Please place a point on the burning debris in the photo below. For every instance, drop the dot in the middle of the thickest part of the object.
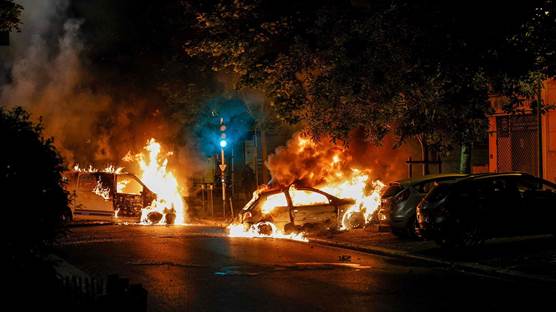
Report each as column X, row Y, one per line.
column 107, row 169
column 262, row 230
column 102, row 191
column 323, row 169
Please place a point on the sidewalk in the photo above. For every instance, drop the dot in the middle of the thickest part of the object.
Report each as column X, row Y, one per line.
column 526, row 258
column 94, row 220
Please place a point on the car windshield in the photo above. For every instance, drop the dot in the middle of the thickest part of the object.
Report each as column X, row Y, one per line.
column 392, row 190
column 251, row 203
column 438, row 192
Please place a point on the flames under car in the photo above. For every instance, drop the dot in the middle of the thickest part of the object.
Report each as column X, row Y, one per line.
column 298, row 209
column 104, row 193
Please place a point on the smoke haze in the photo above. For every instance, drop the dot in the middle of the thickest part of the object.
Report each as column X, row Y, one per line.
column 93, row 121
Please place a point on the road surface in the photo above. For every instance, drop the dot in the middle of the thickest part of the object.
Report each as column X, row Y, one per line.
column 196, row 268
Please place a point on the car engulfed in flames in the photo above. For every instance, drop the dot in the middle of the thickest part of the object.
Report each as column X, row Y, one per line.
column 343, row 199
column 296, row 209
column 292, row 211
column 316, row 186
column 154, row 198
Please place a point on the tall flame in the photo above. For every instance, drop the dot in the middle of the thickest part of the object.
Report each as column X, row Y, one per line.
column 160, row 180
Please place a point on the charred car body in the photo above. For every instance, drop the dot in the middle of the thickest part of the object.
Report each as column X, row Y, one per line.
column 479, row 207
column 291, row 211
column 104, row 193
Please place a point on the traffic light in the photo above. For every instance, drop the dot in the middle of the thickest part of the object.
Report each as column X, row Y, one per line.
column 223, row 140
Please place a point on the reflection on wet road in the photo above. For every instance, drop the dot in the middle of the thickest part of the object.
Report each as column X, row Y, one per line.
column 193, row 268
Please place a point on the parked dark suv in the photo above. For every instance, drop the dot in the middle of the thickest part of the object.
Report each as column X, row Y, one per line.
column 400, row 198
column 473, row 209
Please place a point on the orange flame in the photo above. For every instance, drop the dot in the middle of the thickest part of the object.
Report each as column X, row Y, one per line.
column 238, row 230
column 102, row 191
column 156, row 177
column 107, row 169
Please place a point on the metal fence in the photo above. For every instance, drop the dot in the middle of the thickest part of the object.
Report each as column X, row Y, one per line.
column 517, row 143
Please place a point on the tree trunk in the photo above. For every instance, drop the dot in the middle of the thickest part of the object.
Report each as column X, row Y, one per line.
column 424, row 154
column 465, row 158
column 264, row 154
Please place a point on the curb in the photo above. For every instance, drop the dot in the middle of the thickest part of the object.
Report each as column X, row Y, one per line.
column 460, row 266
column 76, row 225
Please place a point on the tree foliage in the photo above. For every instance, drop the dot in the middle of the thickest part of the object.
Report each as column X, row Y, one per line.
column 415, row 68
column 34, row 201
column 9, row 15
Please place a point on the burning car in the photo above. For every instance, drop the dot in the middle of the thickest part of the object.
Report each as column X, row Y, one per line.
column 298, row 209
column 111, row 193
column 155, row 197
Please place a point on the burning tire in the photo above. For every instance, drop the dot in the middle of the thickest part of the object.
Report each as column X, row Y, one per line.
column 354, row 220
column 170, row 218
column 264, row 228
column 154, row 217
column 290, row 228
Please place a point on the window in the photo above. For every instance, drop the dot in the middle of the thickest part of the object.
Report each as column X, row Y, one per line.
column 424, row 188
column 525, row 184
column 305, row 197
column 391, row 190
column 268, row 203
column 87, row 182
column 129, row 185
column 548, row 187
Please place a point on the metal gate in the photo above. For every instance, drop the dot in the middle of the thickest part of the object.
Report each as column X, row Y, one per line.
column 516, row 143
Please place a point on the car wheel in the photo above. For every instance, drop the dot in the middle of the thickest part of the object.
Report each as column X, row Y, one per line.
column 66, row 217
column 469, row 234
column 401, row 233
column 354, row 220
column 290, row 228
column 411, row 228
column 445, row 242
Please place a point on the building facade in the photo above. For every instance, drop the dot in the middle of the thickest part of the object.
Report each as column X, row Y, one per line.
column 514, row 139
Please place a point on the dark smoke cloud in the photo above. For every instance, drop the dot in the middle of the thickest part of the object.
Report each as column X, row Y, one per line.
column 47, row 77
column 90, row 108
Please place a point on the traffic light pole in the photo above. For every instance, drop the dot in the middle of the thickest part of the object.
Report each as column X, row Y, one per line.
column 223, row 175
column 222, row 166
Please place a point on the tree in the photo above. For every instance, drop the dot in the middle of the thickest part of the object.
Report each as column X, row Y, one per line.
column 34, row 209
column 9, row 16
column 421, row 69
column 32, row 193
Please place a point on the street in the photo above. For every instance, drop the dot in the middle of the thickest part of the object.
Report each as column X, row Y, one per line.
column 198, row 268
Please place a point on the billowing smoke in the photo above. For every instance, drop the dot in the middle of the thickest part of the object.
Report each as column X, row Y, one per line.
column 46, row 70
column 314, row 163
column 387, row 161
column 46, row 76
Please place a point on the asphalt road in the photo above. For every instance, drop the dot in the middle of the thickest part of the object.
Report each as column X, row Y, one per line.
column 194, row 268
